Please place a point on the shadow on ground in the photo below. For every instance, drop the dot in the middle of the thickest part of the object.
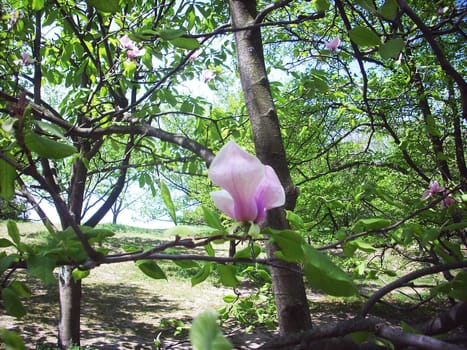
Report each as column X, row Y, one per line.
column 114, row 316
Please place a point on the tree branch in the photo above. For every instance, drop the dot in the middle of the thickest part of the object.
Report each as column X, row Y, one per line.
column 407, row 278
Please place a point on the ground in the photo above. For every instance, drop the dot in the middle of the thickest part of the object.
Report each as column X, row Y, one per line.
column 124, row 309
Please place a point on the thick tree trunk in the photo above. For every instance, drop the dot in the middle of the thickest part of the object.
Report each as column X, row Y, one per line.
column 70, row 305
column 288, row 286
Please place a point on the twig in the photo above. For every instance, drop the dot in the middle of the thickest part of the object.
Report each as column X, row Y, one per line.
column 407, row 278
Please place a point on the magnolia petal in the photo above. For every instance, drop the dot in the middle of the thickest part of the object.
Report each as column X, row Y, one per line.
column 272, row 190
column 223, row 201
column 237, row 172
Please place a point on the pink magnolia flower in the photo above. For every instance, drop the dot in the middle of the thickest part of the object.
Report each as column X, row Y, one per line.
column 333, row 44
column 194, row 55
column 131, row 54
column 25, row 60
column 250, row 188
column 15, row 16
column 133, row 50
column 447, row 202
column 207, row 75
column 127, row 43
column 434, row 188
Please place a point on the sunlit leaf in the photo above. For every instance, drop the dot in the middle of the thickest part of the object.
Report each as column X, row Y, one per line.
column 205, row 333
column 48, row 148
column 289, row 242
column 186, row 43
column 13, row 231
column 212, row 219
column 248, row 252
column 392, row 48
column 363, row 36
column 80, row 274
column 202, row 274
column 37, row 5
column 167, row 198
column 227, row 274
column 323, row 274
column 7, row 180
column 151, row 269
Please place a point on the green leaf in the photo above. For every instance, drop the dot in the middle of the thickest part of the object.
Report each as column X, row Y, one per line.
column 167, row 198
column 7, row 180
column 363, row 36
column 459, row 286
column 351, row 247
column 367, row 5
column 323, row 274
column 202, row 274
column 151, row 269
column 371, row 224
column 6, row 261
column 170, row 34
column 5, row 243
column 11, row 340
column 80, row 274
column 186, row 264
column 321, row 5
column 20, row 289
column 227, row 275
column 295, row 220
column 230, row 298
column 392, row 48
column 109, row 6
column 13, row 231
column 37, row 5
column 186, row 43
column 212, row 219
column 247, row 252
column 47, row 148
column 205, row 333
column 389, row 10
column 12, row 303
column 209, row 249
column 50, row 129
column 289, row 242
column 42, row 267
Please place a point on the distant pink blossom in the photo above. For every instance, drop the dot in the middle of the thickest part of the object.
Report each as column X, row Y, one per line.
column 25, row 59
column 15, row 16
column 447, row 202
column 207, row 75
column 131, row 54
column 133, row 50
column 333, row 44
column 127, row 43
column 194, row 55
column 440, row 10
column 432, row 189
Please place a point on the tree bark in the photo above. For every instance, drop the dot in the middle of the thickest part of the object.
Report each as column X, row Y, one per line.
column 288, row 286
column 70, row 308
